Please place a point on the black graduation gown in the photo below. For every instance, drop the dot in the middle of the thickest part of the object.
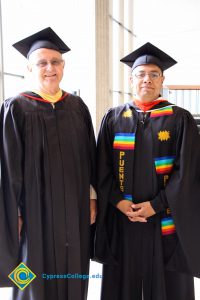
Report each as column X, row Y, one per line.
column 137, row 258
column 47, row 165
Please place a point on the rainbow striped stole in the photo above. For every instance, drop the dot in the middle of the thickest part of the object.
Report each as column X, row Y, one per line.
column 128, row 197
column 164, row 164
column 165, row 111
column 167, row 226
column 124, row 141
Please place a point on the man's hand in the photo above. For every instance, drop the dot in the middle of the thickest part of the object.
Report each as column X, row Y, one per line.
column 93, row 210
column 124, row 206
column 140, row 212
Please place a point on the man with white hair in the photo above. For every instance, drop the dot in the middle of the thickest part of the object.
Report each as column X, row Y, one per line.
column 47, row 176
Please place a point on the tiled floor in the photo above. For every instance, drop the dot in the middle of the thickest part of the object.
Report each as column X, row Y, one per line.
column 94, row 285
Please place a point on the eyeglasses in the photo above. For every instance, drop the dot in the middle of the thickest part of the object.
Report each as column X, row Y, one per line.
column 152, row 75
column 44, row 63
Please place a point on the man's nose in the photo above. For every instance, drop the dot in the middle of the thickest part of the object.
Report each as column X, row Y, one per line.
column 147, row 78
column 49, row 65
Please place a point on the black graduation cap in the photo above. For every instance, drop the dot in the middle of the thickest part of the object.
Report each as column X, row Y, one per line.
column 45, row 38
column 149, row 54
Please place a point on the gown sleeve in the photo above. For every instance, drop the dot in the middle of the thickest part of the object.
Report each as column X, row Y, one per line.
column 107, row 183
column 92, row 155
column 182, row 191
column 108, row 193
column 92, row 143
column 11, row 157
column 159, row 203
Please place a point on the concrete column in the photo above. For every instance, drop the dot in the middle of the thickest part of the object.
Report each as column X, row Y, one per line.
column 121, row 51
column 103, row 61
